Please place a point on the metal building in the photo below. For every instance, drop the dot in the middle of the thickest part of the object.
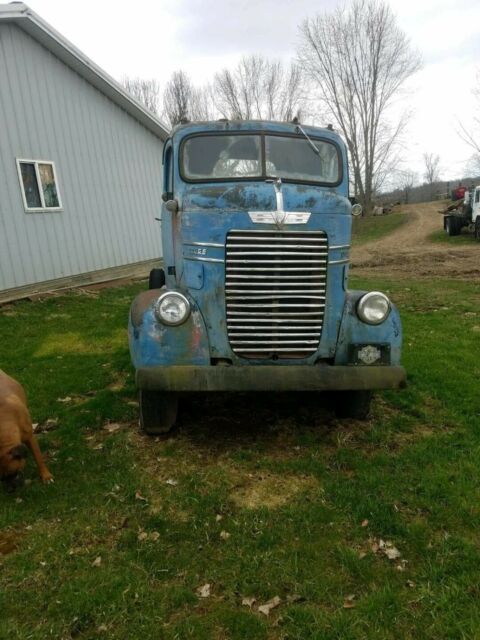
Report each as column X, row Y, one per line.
column 80, row 165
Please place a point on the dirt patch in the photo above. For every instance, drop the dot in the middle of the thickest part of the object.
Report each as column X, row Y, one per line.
column 409, row 252
column 270, row 490
column 8, row 542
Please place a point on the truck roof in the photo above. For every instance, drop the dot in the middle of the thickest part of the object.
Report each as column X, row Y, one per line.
column 224, row 125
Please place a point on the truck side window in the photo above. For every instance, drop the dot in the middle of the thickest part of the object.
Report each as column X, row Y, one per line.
column 168, row 171
column 477, row 195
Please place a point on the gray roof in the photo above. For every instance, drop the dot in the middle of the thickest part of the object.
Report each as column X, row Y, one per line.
column 20, row 14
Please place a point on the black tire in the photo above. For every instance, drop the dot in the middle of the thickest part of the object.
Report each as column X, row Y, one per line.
column 156, row 279
column 158, row 411
column 452, row 226
column 353, row 404
column 477, row 229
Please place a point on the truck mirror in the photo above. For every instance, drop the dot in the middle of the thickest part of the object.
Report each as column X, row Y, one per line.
column 357, row 210
column 172, row 206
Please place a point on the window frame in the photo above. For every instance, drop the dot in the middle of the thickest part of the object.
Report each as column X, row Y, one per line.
column 263, row 133
column 43, row 208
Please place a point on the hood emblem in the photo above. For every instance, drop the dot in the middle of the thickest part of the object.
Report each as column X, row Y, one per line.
column 279, row 217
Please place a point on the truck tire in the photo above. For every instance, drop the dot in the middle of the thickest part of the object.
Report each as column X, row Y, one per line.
column 477, row 229
column 158, row 411
column 452, row 226
column 353, row 404
column 156, row 279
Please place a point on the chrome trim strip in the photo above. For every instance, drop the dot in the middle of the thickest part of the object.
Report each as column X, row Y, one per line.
column 204, row 259
column 345, row 261
column 276, row 344
column 320, row 234
column 275, row 350
column 340, row 246
column 204, row 244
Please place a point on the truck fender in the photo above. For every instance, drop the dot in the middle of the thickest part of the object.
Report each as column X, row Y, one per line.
column 354, row 331
column 153, row 343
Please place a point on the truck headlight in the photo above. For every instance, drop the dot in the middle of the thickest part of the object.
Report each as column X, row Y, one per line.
column 172, row 308
column 373, row 307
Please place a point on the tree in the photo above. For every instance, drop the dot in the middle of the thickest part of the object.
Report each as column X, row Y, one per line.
column 359, row 60
column 184, row 102
column 145, row 91
column 432, row 170
column 259, row 88
column 471, row 133
column 407, row 180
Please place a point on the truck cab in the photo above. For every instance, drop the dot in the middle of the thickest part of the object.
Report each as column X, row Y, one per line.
column 256, row 233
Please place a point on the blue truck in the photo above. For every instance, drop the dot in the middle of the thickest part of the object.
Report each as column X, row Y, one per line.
column 256, row 231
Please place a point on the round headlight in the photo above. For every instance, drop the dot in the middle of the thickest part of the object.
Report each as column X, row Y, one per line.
column 172, row 308
column 373, row 307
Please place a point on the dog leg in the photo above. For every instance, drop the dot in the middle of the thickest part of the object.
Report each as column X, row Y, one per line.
column 45, row 474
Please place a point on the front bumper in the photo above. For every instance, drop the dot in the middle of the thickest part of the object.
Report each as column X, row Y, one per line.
column 270, row 378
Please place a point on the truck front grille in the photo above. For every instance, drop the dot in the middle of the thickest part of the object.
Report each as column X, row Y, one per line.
column 275, row 292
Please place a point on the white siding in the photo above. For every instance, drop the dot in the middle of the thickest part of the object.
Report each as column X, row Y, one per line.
column 109, row 170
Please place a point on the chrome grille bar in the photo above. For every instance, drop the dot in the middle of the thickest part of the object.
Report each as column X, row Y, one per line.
column 275, row 292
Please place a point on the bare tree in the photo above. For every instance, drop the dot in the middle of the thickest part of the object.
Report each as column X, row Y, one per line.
column 259, row 88
column 406, row 182
column 182, row 101
column 471, row 133
column 432, row 170
column 359, row 59
column 145, row 91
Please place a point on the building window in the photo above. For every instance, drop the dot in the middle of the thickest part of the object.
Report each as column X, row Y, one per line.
column 39, row 185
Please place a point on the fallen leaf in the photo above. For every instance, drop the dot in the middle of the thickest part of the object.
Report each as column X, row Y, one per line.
column 224, row 535
column 98, row 447
column 268, row 606
column 364, row 523
column 410, row 584
column 294, row 597
column 139, row 496
column 171, row 482
column 97, row 562
column 248, row 602
column 349, row 603
column 391, row 552
column 154, row 536
column 66, row 399
column 111, row 427
column 218, row 517
column 102, row 628
column 143, row 535
column 362, row 555
column 204, row 591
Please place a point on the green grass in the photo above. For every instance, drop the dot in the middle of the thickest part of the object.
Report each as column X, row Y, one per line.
column 365, row 229
column 288, row 483
column 465, row 237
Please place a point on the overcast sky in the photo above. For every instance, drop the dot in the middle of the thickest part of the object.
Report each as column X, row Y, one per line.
column 152, row 39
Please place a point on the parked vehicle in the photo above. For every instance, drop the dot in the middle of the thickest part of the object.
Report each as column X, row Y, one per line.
column 464, row 213
column 256, row 231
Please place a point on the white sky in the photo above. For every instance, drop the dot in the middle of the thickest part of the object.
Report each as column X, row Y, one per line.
column 152, row 39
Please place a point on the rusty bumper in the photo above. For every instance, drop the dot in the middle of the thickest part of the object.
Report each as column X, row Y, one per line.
column 271, row 378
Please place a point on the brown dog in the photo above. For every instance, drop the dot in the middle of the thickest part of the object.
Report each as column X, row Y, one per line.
column 16, row 432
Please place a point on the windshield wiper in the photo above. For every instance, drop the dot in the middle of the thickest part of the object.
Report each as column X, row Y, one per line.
column 308, row 139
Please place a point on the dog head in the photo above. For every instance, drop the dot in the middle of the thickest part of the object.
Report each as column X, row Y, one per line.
column 12, row 463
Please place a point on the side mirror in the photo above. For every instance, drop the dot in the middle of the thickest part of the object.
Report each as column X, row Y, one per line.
column 357, row 210
column 172, row 206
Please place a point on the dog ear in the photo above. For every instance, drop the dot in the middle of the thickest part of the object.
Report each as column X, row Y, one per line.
column 19, row 452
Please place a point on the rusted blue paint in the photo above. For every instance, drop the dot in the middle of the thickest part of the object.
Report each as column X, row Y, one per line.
column 206, row 213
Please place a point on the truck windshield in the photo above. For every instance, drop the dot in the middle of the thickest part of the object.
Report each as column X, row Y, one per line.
column 231, row 157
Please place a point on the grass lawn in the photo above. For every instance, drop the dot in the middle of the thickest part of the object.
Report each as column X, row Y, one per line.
column 365, row 229
column 256, row 496
column 465, row 237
